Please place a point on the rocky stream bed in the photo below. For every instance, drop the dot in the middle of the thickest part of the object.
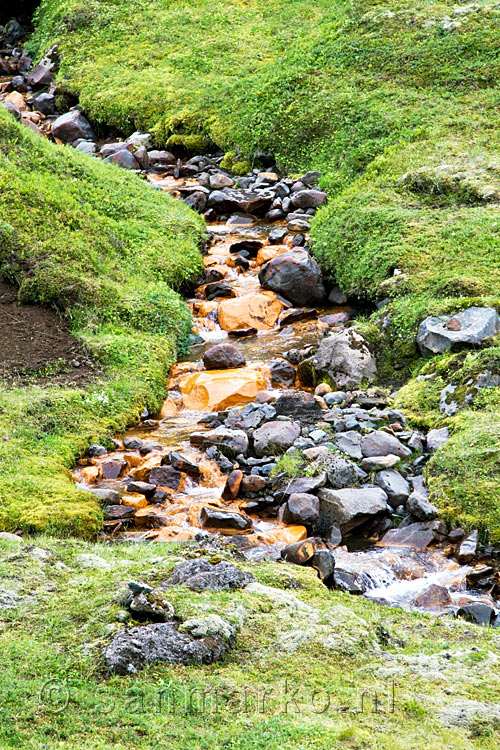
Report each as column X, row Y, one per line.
column 272, row 441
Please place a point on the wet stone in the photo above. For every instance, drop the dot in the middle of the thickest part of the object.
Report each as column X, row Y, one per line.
column 165, row 476
column 219, row 519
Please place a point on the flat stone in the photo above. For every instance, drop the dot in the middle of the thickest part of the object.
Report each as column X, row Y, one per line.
column 380, row 443
column 379, row 463
column 348, row 508
column 221, row 519
column 165, row 476
column 229, row 442
column 471, row 326
column 417, row 535
column 350, row 443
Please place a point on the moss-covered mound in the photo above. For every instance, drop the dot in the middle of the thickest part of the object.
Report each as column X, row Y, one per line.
column 107, row 250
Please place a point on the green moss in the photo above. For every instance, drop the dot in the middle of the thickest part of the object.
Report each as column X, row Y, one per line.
column 97, row 244
column 235, row 163
column 303, row 675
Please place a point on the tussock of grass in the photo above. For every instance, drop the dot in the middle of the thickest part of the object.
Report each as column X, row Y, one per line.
column 108, row 251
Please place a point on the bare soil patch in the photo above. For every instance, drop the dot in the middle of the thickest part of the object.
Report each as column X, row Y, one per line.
column 36, row 345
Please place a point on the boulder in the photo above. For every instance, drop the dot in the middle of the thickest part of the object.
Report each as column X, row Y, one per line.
column 72, row 125
column 379, row 443
column 324, row 563
column 478, row 613
column 256, row 310
column 349, row 508
column 308, row 199
column 395, row 486
column 282, row 372
column 300, row 553
column 343, row 357
column 468, row 548
column 216, row 390
column 275, row 438
column 437, row 438
column 214, row 518
column 134, row 648
column 301, row 508
column 342, row 473
column 202, row 575
column 223, row 357
column 229, row 442
column 294, row 275
column 438, row 334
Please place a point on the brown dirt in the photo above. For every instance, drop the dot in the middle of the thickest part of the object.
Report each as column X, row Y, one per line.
column 36, row 346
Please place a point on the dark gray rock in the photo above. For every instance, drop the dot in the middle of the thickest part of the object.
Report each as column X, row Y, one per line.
column 96, row 450
column 342, row 473
column 344, row 357
column 213, row 518
column 349, row 508
column 301, row 508
column 300, row 405
column 419, row 506
column 396, row 488
column 468, row 548
column 181, row 463
column 160, row 159
column 273, row 438
column 143, row 488
column 300, row 485
column 380, row 443
column 201, row 575
column 438, row 334
column 72, row 125
column 123, row 158
column 478, row 613
column 223, row 357
column 45, row 103
column 294, row 275
column 134, row 648
column 151, row 605
column 324, row 563
column 229, row 442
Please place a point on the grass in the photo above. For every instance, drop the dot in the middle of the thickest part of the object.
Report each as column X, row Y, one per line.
column 309, row 677
column 108, row 251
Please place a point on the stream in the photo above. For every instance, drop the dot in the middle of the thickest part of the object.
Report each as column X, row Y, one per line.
column 197, row 470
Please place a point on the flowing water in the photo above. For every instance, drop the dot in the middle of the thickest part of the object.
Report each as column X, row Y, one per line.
column 392, row 575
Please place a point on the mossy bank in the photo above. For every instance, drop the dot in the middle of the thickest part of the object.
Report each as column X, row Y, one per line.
column 108, row 251
column 310, row 668
column 398, row 106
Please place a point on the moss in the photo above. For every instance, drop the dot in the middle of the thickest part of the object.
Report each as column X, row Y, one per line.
column 235, row 163
column 95, row 243
column 189, row 144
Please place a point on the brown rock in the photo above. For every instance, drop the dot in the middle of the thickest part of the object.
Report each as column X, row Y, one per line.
column 253, row 483
column 454, row 324
column 257, row 310
column 220, row 389
column 300, row 553
column 282, row 372
column 232, row 485
column 433, row 597
column 223, row 357
column 165, row 476
column 112, row 469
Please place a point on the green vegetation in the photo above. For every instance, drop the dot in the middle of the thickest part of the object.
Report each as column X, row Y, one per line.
column 107, row 250
column 317, row 663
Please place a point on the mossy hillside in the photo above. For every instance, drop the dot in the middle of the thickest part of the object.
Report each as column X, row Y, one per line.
column 319, row 661
column 107, row 250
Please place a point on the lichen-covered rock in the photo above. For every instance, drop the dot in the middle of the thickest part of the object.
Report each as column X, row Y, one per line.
column 200, row 575
column 344, row 358
column 438, row 334
column 212, row 626
column 134, row 648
